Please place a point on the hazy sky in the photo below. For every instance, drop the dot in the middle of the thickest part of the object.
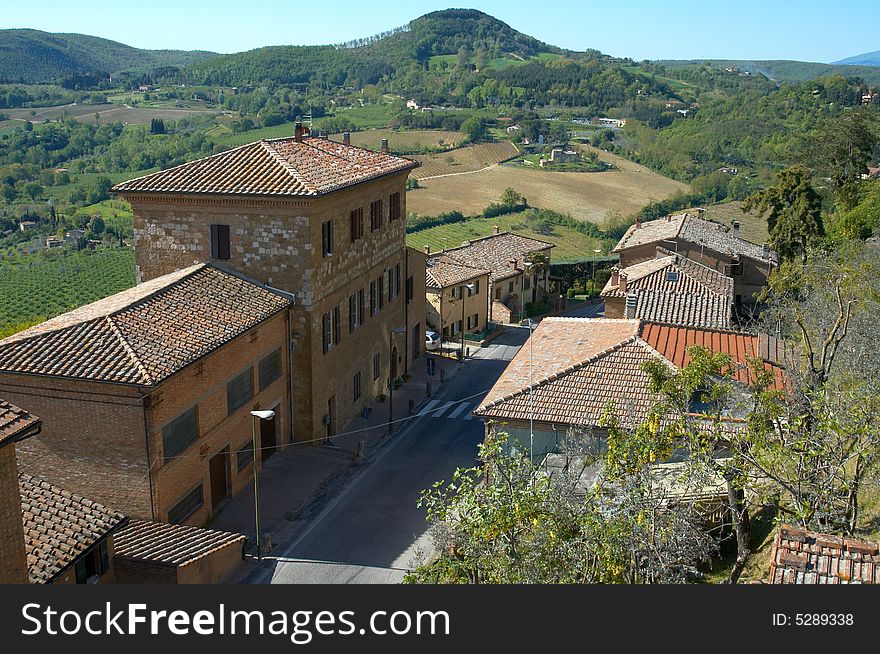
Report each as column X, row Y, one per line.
column 807, row 30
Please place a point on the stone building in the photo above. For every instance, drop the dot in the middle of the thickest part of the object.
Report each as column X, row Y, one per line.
column 146, row 395
column 512, row 282
column 458, row 297
column 321, row 220
column 714, row 245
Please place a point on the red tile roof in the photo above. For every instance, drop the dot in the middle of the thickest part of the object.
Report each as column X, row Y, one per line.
column 178, row 545
column 277, row 167
column 807, row 557
column 674, row 342
column 443, row 272
column 147, row 333
column 495, row 252
column 15, row 423
column 59, row 527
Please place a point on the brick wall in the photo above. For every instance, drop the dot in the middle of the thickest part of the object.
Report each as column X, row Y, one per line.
column 13, row 561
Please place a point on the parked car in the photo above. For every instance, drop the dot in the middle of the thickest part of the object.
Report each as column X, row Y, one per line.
column 432, row 340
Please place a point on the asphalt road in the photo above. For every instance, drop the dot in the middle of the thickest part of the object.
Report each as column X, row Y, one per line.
column 372, row 530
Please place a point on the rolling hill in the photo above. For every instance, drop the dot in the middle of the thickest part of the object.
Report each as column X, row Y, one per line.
column 32, row 56
column 866, row 59
column 789, row 71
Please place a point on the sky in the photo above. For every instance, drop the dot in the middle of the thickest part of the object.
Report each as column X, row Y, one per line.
column 806, row 30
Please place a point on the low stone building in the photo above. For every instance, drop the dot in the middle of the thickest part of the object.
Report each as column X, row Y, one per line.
column 673, row 290
column 458, row 297
column 564, row 381
column 513, row 281
column 146, row 394
column 714, row 245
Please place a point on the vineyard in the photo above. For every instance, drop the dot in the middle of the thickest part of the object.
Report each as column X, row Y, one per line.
column 37, row 288
column 464, row 160
column 405, row 141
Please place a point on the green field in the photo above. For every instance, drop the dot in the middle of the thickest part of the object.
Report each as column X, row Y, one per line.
column 40, row 287
column 571, row 245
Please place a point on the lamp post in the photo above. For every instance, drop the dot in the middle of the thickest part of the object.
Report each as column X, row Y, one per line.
column 470, row 288
column 593, row 279
column 258, row 415
column 531, row 387
column 394, row 330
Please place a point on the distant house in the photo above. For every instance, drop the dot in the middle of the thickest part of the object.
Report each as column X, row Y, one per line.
column 27, row 225
column 717, row 246
column 54, row 242
column 807, row 557
column 457, row 296
column 873, row 173
column 145, row 88
column 513, row 128
column 728, row 170
column 74, row 235
column 671, row 290
column 412, row 104
column 611, row 122
column 559, row 156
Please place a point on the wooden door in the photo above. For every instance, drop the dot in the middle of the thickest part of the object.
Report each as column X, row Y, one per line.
column 268, row 436
column 218, row 468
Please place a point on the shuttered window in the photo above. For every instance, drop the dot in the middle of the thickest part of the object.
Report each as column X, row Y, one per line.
column 239, row 391
column 357, row 224
column 269, row 369
column 394, row 206
column 376, row 215
column 179, row 434
column 220, row 242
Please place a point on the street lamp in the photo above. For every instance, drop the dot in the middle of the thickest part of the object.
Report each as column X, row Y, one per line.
column 470, row 288
column 394, row 330
column 595, row 254
column 531, row 387
column 258, row 415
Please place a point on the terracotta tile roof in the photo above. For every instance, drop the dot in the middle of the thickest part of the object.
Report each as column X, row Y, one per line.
column 59, row 527
column 673, row 343
column 145, row 334
column 286, row 167
column 675, row 290
column 495, row 252
column 442, row 272
column 579, row 365
column 580, row 394
column 174, row 544
column 807, row 557
column 559, row 343
column 693, row 229
column 15, row 423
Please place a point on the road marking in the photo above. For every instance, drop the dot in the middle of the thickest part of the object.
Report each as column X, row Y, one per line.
column 430, row 405
column 461, row 407
column 470, row 415
column 439, row 412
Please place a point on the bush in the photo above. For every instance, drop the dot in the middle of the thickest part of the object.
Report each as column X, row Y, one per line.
column 416, row 223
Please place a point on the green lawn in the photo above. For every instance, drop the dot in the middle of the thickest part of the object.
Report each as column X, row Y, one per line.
column 571, row 245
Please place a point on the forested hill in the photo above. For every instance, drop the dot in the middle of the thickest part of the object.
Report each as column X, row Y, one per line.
column 32, row 56
column 865, row 59
column 789, row 71
column 465, row 32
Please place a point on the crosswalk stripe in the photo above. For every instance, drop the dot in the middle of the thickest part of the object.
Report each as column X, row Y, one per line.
column 470, row 415
column 461, row 407
column 439, row 412
column 430, row 405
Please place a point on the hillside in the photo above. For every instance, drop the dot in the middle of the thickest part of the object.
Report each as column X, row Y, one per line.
column 790, row 71
column 32, row 56
column 866, row 59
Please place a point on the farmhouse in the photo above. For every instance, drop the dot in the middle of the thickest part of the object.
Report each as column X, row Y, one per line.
column 672, row 290
column 711, row 244
column 514, row 279
column 146, row 394
column 324, row 222
column 457, row 294
column 575, row 368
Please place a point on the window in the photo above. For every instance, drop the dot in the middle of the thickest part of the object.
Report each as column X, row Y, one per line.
column 189, row 504
column 394, row 206
column 390, row 284
column 377, row 366
column 357, row 224
column 527, row 282
column 337, row 325
column 244, row 456
column 326, row 333
column 327, row 238
column 381, row 294
column 477, row 287
column 93, row 563
column 374, row 303
column 356, row 384
column 239, row 391
column 269, row 369
column 220, row 243
column 409, row 289
column 376, row 215
column 355, row 310
column 179, row 434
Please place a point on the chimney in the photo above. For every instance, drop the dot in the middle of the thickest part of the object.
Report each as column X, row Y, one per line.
column 495, row 229
column 621, row 282
column 512, row 263
column 427, row 248
column 298, row 132
column 385, row 146
column 346, row 138
column 615, row 276
column 735, row 229
column 632, row 301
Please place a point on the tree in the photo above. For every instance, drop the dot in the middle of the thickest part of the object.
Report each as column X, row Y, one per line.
column 509, row 521
column 511, row 198
column 844, row 149
column 473, row 129
column 793, row 209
